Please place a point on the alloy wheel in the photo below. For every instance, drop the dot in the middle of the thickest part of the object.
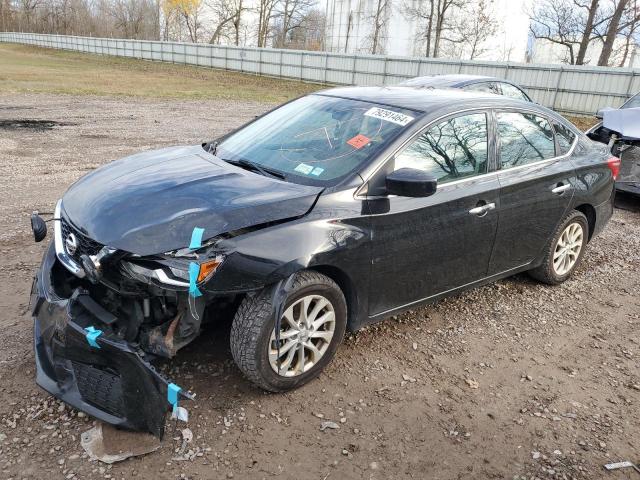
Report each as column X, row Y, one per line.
column 568, row 249
column 306, row 330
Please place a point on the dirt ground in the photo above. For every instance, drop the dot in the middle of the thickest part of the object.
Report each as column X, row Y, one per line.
column 513, row 380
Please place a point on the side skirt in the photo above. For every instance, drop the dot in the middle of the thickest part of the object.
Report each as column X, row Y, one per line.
column 448, row 293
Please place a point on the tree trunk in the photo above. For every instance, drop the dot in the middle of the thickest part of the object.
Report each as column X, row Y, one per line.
column 236, row 23
column 346, row 42
column 586, row 34
column 286, row 19
column 627, row 44
column 430, row 28
column 612, row 30
column 439, row 22
column 376, row 29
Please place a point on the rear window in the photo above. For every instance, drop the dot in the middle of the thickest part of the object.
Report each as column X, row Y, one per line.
column 317, row 140
column 524, row 138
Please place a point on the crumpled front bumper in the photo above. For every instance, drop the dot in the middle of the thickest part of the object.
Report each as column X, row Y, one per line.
column 110, row 381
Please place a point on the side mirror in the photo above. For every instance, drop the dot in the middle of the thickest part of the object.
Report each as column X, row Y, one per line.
column 411, row 182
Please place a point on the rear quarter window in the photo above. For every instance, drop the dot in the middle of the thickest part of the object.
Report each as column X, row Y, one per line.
column 565, row 138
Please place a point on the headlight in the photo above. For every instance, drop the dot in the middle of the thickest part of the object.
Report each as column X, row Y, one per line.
column 171, row 271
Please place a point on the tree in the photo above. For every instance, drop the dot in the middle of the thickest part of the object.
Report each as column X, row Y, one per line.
column 289, row 15
column 307, row 33
column 470, row 29
column 131, row 17
column 576, row 24
column 265, row 17
column 622, row 18
column 629, row 30
column 592, row 12
column 612, row 32
column 557, row 22
column 378, row 30
column 433, row 18
column 186, row 11
column 228, row 14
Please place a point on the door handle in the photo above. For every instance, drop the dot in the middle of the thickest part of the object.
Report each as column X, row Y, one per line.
column 560, row 189
column 482, row 210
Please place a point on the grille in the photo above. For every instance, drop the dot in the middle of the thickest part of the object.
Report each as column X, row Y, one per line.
column 85, row 244
column 99, row 388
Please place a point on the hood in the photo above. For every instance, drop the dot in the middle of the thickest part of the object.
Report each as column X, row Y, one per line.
column 150, row 203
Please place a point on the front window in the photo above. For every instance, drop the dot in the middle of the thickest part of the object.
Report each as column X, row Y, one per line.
column 317, row 140
column 453, row 149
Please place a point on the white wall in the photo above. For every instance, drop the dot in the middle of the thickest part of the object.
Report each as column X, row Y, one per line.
column 509, row 42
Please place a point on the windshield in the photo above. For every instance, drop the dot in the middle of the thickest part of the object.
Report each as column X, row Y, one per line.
column 316, row 140
column 633, row 102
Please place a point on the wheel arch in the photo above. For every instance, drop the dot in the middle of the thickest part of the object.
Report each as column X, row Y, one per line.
column 348, row 288
column 590, row 212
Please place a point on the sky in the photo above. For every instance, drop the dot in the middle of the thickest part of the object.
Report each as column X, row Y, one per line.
column 514, row 23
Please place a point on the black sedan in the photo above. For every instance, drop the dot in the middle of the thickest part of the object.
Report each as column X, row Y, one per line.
column 331, row 212
column 471, row 83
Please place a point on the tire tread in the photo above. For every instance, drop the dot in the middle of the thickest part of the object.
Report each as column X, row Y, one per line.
column 544, row 272
column 254, row 311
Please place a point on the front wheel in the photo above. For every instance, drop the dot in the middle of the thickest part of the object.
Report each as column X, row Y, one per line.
column 312, row 326
column 564, row 251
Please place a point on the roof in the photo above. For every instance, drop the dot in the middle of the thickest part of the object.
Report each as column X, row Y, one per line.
column 453, row 81
column 423, row 100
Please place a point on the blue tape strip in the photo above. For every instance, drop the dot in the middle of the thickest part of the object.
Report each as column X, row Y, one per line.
column 92, row 336
column 172, row 394
column 196, row 238
column 194, row 270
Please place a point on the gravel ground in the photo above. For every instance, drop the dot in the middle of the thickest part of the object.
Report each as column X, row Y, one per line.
column 513, row 380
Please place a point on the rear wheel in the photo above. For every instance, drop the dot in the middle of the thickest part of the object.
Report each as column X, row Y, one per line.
column 312, row 326
column 564, row 251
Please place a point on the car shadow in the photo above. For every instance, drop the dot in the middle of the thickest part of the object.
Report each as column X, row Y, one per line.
column 627, row 201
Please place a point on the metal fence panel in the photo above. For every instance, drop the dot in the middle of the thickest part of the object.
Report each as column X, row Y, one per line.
column 566, row 88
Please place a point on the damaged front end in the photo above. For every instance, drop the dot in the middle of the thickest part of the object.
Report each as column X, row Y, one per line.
column 101, row 317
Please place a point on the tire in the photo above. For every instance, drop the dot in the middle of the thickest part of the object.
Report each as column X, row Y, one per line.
column 254, row 325
column 547, row 272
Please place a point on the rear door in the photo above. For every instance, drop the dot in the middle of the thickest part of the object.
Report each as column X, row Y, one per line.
column 425, row 246
column 536, row 186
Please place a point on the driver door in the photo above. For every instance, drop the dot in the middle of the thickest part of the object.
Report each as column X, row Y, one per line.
column 422, row 247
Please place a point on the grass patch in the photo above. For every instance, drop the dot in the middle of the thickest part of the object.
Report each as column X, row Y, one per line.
column 583, row 123
column 27, row 69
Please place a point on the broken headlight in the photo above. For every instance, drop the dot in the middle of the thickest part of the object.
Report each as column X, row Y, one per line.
column 168, row 271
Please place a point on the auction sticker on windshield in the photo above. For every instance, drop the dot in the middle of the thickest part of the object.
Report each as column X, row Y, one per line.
column 358, row 141
column 389, row 116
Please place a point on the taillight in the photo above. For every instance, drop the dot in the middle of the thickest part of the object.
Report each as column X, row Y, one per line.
column 614, row 165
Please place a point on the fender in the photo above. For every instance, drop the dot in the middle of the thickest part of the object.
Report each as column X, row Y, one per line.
column 335, row 238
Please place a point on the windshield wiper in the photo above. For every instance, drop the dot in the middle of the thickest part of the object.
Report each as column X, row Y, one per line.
column 267, row 172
